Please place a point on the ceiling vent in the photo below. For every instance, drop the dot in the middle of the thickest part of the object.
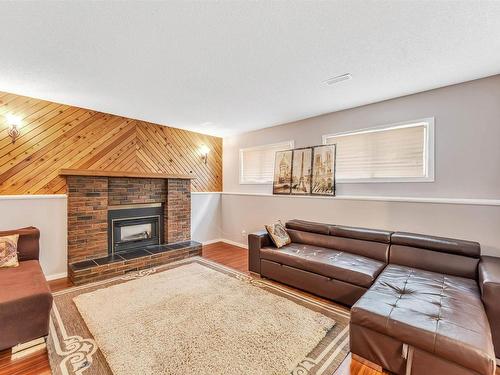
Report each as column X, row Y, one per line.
column 337, row 79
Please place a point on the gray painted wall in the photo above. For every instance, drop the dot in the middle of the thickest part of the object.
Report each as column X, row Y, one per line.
column 473, row 222
column 467, row 141
column 467, row 166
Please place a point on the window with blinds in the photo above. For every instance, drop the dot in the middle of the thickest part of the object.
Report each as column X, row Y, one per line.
column 257, row 163
column 398, row 153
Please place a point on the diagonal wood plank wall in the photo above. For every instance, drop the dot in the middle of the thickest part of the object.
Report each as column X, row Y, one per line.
column 56, row 136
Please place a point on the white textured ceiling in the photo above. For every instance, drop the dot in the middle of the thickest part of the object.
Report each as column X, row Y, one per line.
column 226, row 67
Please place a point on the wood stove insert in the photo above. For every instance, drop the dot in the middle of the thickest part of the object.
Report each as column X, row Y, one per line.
column 134, row 227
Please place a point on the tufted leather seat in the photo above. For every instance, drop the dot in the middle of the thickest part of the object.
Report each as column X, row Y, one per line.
column 344, row 266
column 440, row 314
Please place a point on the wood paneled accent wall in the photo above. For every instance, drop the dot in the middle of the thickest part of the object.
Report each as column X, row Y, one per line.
column 56, row 136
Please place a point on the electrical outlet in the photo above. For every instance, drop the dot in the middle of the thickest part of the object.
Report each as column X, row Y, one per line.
column 243, row 233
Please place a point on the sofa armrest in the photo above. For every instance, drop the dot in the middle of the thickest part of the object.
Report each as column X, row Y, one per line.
column 28, row 245
column 257, row 241
column 489, row 282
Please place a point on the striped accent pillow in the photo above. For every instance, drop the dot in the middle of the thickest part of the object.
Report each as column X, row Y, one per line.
column 8, row 251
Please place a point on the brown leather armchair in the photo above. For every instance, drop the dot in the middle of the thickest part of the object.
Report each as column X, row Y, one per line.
column 25, row 298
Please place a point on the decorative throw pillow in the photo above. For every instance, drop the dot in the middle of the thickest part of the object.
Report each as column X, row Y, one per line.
column 278, row 234
column 8, row 251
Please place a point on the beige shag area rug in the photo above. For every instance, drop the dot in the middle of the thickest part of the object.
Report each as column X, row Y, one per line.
column 194, row 316
column 195, row 320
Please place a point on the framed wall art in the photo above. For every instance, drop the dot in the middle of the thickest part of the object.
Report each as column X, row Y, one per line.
column 323, row 170
column 282, row 180
column 301, row 171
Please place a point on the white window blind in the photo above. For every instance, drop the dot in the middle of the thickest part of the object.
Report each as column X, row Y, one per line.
column 257, row 163
column 395, row 153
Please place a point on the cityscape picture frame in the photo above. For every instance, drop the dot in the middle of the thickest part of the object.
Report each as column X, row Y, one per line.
column 282, row 177
column 324, row 170
column 301, row 171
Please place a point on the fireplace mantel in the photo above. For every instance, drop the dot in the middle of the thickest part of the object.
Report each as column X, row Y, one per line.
column 97, row 173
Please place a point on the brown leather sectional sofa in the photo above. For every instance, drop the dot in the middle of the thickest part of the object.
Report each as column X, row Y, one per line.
column 420, row 304
column 25, row 298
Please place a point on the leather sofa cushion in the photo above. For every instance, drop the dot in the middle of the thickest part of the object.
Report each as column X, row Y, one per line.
column 335, row 264
column 357, row 233
column 440, row 314
column 370, row 249
column 441, row 244
column 434, row 261
column 365, row 234
column 308, row 226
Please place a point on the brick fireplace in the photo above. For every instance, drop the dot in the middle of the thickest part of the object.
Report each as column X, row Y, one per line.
column 91, row 196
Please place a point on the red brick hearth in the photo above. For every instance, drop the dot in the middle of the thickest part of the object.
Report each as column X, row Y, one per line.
column 90, row 196
column 93, row 270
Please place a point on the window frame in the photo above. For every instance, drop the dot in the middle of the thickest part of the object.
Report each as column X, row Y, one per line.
column 291, row 145
column 429, row 152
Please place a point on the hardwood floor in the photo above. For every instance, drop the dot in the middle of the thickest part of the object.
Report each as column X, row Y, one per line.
column 228, row 255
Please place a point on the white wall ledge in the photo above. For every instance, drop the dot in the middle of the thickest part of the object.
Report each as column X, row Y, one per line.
column 463, row 201
column 205, row 192
column 33, row 196
column 381, row 198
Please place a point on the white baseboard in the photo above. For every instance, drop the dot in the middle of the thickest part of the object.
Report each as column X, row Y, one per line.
column 239, row 244
column 212, row 241
column 56, row 276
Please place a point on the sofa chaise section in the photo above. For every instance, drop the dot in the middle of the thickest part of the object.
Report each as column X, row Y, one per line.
column 424, row 313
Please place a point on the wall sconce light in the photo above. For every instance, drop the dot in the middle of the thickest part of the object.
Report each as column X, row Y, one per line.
column 204, row 150
column 14, row 122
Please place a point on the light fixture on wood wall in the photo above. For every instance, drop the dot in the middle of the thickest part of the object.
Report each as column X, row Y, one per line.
column 204, row 150
column 13, row 122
